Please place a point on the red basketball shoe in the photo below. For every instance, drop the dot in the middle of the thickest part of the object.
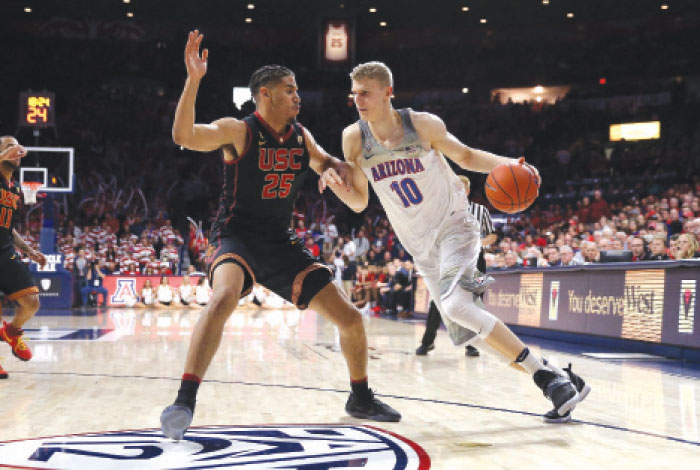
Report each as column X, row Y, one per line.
column 3, row 374
column 19, row 347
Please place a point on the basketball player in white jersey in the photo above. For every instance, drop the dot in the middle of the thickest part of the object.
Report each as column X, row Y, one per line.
column 401, row 153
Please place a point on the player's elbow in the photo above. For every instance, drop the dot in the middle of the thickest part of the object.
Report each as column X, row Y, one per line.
column 179, row 137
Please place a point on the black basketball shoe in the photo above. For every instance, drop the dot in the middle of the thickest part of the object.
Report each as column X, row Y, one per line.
column 471, row 351
column 558, row 389
column 583, row 390
column 174, row 421
column 423, row 349
column 373, row 409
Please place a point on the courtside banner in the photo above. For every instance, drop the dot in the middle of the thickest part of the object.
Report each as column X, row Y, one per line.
column 653, row 302
column 121, row 287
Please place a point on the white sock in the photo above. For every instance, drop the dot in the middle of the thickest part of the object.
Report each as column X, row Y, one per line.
column 555, row 369
column 529, row 362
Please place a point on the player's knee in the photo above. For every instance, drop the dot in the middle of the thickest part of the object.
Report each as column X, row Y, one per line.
column 30, row 302
column 348, row 318
column 223, row 303
column 460, row 306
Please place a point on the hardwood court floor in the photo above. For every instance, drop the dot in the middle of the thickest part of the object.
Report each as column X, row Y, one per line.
column 276, row 367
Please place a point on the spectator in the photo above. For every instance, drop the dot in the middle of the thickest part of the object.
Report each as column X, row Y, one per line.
column 186, row 291
column 164, row 296
column 361, row 245
column 658, row 249
column 147, row 294
column 566, row 255
column 80, row 270
column 394, row 293
column 553, row 257
column 638, row 247
column 94, row 285
column 202, row 292
column 511, row 260
column 599, row 207
column 688, row 246
column 349, row 249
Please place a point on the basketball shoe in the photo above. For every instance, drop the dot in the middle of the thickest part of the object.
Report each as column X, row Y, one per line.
column 19, row 347
column 373, row 409
column 174, row 421
column 558, row 389
column 583, row 390
column 3, row 374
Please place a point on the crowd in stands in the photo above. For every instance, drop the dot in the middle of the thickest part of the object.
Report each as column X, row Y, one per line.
column 135, row 189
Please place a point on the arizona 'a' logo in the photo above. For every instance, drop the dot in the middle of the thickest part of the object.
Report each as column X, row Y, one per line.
column 125, row 287
column 255, row 447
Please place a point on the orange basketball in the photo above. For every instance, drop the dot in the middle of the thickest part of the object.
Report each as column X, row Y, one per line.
column 512, row 187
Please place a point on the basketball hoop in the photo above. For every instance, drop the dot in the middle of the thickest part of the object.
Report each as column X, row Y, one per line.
column 30, row 188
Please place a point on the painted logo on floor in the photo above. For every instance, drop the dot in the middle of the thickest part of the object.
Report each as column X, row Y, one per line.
column 290, row 447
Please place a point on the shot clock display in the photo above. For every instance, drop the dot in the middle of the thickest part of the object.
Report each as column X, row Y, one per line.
column 36, row 109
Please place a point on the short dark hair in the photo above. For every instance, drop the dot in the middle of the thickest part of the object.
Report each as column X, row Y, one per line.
column 266, row 75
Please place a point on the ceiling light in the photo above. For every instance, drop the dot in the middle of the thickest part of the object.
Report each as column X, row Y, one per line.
column 249, row 20
column 126, row 1
column 373, row 10
column 27, row 10
column 483, row 21
column 569, row 15
column 382, row 23
column 664, row 7
column 251, row 6
column 545, row 2
column 465, row 8
column 130, row 14
column 539, row 89
column 465, row 90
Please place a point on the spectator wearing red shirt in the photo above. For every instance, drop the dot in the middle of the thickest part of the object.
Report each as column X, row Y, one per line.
column 584, row 211
column 312, row 247
column 599, row 207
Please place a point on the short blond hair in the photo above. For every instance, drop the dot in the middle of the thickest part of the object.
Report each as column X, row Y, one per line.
column 465, row 181
column 373, row 70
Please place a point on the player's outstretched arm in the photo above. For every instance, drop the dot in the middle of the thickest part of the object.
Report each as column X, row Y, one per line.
column 344, row 178
column 201, row 137
column 432, row 129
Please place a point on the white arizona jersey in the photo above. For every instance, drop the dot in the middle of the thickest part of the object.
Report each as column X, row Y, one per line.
column 416, row 186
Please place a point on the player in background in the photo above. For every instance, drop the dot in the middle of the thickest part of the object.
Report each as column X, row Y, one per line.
column 15, row 279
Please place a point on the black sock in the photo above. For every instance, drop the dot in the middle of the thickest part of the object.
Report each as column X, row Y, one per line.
column 187, row 395
column 361, row 390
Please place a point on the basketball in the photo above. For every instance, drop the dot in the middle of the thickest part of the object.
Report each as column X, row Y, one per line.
column 512, row 187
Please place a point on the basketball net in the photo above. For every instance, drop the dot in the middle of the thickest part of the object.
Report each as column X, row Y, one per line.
column 29, row 189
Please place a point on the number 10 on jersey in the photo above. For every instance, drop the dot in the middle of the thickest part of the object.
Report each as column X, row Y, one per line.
column 407, row 191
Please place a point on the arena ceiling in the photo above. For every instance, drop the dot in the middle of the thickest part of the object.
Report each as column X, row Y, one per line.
column 396, row 13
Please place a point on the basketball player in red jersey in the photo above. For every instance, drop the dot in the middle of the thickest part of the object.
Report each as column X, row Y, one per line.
column 15, row 279
column 265, row 158
column 401, row 153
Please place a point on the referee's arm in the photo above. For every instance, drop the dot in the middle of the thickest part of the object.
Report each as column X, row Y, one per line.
column 488, row 231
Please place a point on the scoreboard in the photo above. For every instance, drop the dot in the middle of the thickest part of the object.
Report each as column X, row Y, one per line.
column 37, row 109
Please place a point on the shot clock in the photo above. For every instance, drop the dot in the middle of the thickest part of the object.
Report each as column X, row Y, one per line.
column 36, row 109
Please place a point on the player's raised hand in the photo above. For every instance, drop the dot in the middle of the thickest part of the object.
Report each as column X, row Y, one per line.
column 13, row 152
column 38, row 257
column 196, row 64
